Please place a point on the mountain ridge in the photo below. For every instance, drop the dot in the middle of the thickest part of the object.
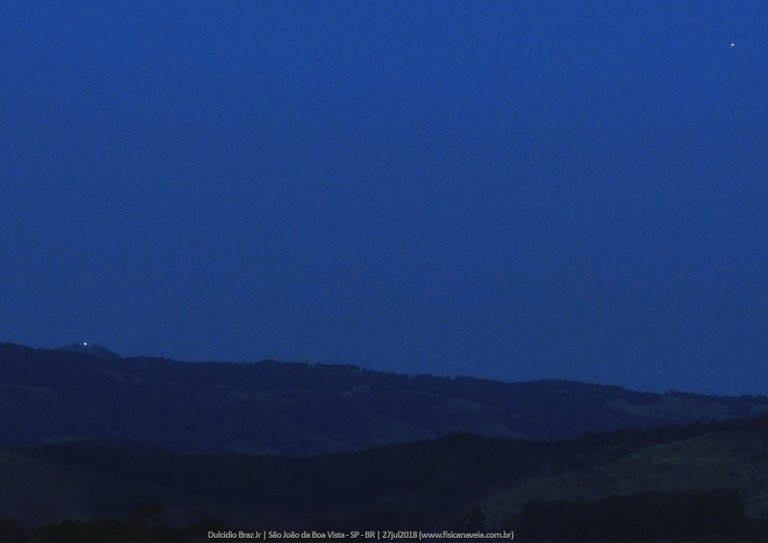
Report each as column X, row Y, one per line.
column 298, row 409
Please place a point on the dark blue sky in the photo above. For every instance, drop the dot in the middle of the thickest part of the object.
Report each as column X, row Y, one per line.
column 513, row 190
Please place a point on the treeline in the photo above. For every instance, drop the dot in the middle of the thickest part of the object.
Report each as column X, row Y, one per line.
column 145, row 524
column 702, row 515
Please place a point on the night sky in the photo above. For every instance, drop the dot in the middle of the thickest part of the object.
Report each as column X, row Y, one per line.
column 512, row 190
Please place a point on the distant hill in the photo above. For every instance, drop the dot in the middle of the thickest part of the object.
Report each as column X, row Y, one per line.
column 296, row 409
column 92, row 350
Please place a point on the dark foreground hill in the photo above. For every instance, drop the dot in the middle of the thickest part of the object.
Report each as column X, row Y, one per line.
column 51, row 396
column 704, row 482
